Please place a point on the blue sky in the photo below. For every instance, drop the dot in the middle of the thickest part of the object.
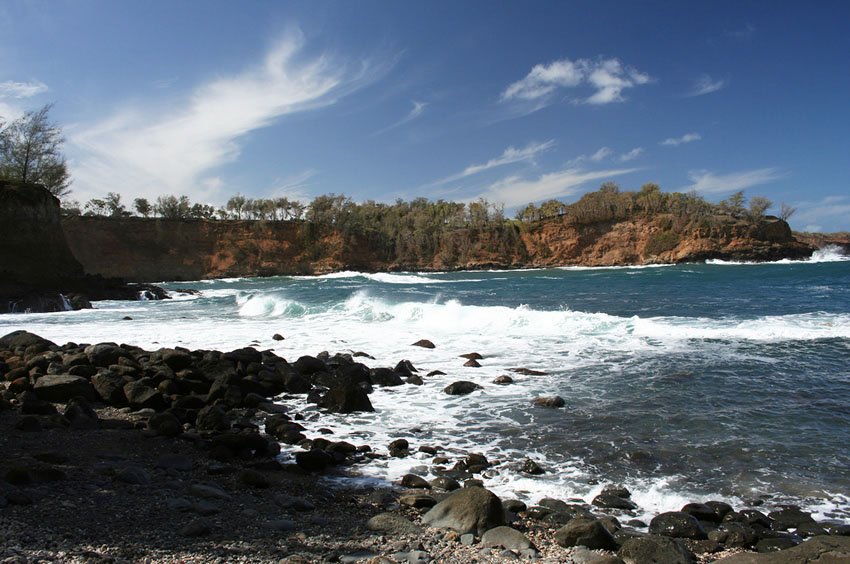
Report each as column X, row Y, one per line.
column 512, row 101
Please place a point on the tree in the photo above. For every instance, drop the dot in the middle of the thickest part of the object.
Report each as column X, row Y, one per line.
column 786, row 211
column 735, row 204
column 114, row 206
column 96, row 206
column 170, row 207
column 758, row 205
column 143, row 206
column 236, row 204
column 31, row 151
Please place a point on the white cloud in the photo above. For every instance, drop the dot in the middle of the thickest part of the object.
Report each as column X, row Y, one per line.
column 295, row 186
column 706, row 85
column 509, row 156
column 706, row 182
column 11, row 89
column 676, row 141
column 417, row 110
column 827, row 214
column 600, row 155
column 172, row 149
column 515, row 190
column 631, row 155
column 609, row 77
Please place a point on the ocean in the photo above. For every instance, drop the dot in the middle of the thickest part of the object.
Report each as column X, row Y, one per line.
column 685, row 383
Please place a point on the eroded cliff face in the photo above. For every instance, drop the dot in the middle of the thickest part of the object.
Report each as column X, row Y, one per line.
column 149, row 250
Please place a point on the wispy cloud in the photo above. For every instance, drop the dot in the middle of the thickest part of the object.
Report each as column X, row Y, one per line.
column 631, row 155
column 676, row 141
column 417, row 110
column 12, row 89
column 830, row 213
column 510, row 155
column 515, row 190
column 609, row 78
column 705, row 84
column 176, row 147
column 706, row 182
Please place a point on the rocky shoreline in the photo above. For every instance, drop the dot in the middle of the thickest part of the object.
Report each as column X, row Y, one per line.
column 113, row 453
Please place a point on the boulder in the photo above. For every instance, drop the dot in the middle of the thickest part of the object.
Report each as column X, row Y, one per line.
column 392, row 523
column 461, row 388
column 313, row 460
column 582, row 531
column 348, row 400
column 505, row 537
column 110, row 388
column 611, row 501
column 385, row 377
column 822, row 549
column 104, row 354
column 468, row 510
column 503, row 380
column 652, row 549
column 414, row 481
column 789, row 518
column 212, row 418
column 60, row 388
column 176, row 360
column 309, row 365
column 472, row 363
column 445, row 483
column 551, row 401
column 417, row 501
column 677, row 524
column 424, row 343
column 23, row 339
column 702, row 512
column 141, row 396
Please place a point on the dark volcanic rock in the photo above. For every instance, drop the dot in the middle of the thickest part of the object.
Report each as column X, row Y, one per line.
column 140, row 396
column 212, row 418
column 654, row 548
column 313, row 460
column 110, row 387
column 702, row 512
column 506, row 537
column 503, row 380
column 468, row 510
column 346, row 401
column 62, row 387
column 414, row 481
column 585, row 532
column 104, row 354
column 472, row 363
column 424, row 343
column 610, row 501
column 823, row 549
column 552, row 401
column 385, row 377
column 677, row 524
column 789, row 518
column 461, row 387
column 23, row 339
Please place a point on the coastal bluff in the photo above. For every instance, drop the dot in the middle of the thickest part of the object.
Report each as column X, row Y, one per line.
column 156, row 249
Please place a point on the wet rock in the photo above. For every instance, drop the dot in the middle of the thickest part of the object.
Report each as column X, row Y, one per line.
column 506, row 537
column 754, row 517
column 445, row 483
column 550, row 401
column 424, row 343
column 702, row 512
column 789, row 518
column 417, row 501
column 472, row 363
column 590, row 533
column 527, row 372
column 245, row 355
column 721, row 508
column 399, row 448
column 737, row 535
column 414, row 481
column 179, row 462
column 468, row 510
column 23, row 339
column 654, row 548
column 436, row 373
column 775, row 544
column 277, row 337
column 309, row 365
column 104, row 354
column 313, row 460
column 618, row 490
column 385, row 377
column 405, row 367
column 503, row 380
column 461, row 387
column 60, row 388
column 428, row 449
column 349, row 400
column 823, row 549
column 472, row 356
column 610, row 501
column 513, row 505
column 281, row 525
column 393, row 523
column 414, row 379
column 677, row 524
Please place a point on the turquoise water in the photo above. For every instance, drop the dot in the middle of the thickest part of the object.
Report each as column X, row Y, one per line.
column 684, row 382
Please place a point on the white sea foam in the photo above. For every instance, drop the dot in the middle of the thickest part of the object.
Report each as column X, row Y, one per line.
column 829, row 253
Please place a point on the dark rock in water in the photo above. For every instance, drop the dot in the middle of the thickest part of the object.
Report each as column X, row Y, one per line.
column 505, row 537
column 468, row 510
column 165, row 424
column 737, row 535
column 428, row 449
column 721, row 508
column 503, row 380
column 309, row 365
column 414, row 481
column 472, row 363
column 245, row 355
column 277, row 337
column 513, row 505
column 461, row 388
column 531, row 467
column 393, row 523
column 617, row 490
column 212, row 418
column 126, row 318
column 552, row 401
column 677, row 524
column 476, row 462
column 472, row 356
column 313, row 460
column 415, row 380
column 424, row 343
column 295, row 383
column 754, row 517
column 399, row 448
column 385, row 377
column 445, row 483
column 811, row 530
column 62, row 387
column 702, row 512
column 140, row 396
column 436, row 373
column 610, row 501
column 527, row 372
column 405, row 367
column 23, row 339
column 585, row 532
column 654, row 548
column 346, row 401
column 789, row 518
